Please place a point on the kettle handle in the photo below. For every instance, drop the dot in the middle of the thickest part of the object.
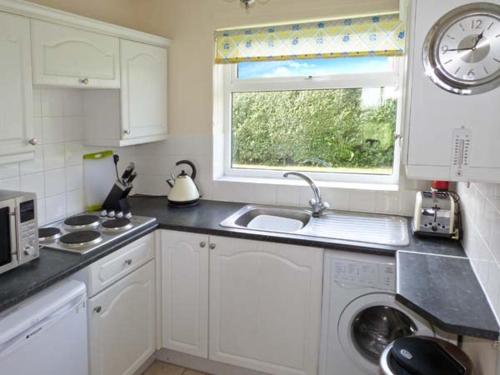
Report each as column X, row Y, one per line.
column 187, row 162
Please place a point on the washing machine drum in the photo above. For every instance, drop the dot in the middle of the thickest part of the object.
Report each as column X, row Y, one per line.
column 370, row 323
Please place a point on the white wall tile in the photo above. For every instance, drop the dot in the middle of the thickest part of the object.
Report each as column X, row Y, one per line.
column 54, row 156
column 74, row 152
column 41, row 211
column 34, row 183
column 53, row 129
column 55, row 182
column 74, row 178
column 10, row 183
column 52, row 102
column 73, row 129
column 74, row 202
column 55, row 208
column 73, row 103
column 9, row 170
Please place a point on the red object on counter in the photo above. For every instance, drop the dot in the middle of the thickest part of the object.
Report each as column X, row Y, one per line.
column 441, row 185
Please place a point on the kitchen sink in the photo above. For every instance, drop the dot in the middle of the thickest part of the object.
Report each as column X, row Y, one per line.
column 333, row 225
column 269, row 219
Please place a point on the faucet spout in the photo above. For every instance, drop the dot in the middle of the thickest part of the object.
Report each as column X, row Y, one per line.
column 317, row 204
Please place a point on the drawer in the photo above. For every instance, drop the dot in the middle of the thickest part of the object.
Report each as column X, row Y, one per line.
column 113, row 267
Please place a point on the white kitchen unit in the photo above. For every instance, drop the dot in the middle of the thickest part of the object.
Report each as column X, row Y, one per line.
column 449, row 136
column 16, row 93
column 47, row 333
column 138, row 112
column 122, row 308
column 68, row 56
column 185, row 292
column 265, row 305
column 252, row 304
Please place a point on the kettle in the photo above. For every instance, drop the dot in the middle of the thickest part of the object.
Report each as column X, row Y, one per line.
column 183, row 189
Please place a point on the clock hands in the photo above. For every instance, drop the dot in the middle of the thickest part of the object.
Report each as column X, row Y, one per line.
column 473, row 48
column 478, row 39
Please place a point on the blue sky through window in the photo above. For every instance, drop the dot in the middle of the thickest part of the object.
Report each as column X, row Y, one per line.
column 314, row 67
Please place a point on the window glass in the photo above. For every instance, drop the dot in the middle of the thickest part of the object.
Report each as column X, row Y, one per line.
column 328, row 130
column 315, row 67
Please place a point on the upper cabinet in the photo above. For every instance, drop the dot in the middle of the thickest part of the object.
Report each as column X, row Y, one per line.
column 449, row 136
column 16, row 96
column 144, row 90
column 67, row 56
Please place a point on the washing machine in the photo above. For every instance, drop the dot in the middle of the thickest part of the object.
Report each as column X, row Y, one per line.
column 360, row 315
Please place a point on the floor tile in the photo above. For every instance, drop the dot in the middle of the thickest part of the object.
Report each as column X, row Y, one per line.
column 160, row 368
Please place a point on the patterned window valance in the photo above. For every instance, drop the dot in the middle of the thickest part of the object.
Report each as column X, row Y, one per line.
column 376, row 35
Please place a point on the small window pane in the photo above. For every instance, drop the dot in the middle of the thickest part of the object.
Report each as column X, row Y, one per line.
column 335, row 130
column 315, row 67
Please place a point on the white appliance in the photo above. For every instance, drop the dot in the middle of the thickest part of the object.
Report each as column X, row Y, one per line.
column 18, row 224
column 360, row 314
column 47, row 333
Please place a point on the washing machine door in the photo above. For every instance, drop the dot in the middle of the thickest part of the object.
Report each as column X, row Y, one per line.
column 370, row 323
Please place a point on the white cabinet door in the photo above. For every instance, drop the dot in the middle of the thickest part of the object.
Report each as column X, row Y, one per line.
column 185, row 292
column 16, row 94
column 144, row 91
column 122, row 324
column 67, row 56
column 265, row 305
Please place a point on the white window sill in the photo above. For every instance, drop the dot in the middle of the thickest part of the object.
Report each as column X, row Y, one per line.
column 321, row 184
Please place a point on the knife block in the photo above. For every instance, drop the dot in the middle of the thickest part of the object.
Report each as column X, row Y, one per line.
column 117, row 199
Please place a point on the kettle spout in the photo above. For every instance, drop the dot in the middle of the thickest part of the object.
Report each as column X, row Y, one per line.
column 170, row 183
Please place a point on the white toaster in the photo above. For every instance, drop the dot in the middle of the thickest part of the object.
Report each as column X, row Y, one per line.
column 436, row 214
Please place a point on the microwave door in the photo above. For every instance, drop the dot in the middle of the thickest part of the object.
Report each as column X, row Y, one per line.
column 8, row 242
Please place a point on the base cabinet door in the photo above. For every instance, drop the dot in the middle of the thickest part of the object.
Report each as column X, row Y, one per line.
column 122, row 324
column 265, row 305
column 16, row 95
column 185, row 292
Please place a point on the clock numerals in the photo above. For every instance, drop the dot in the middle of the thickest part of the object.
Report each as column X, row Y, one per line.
column 476, row 24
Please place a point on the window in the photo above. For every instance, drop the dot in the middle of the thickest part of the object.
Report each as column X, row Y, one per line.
column 333, row 118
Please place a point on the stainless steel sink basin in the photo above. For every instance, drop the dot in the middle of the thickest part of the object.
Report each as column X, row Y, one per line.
column 340, row 225
column 269, row 219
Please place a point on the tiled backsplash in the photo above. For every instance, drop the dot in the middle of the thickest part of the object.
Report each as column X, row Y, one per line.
column 56, row 173
column 481, row 212
column 156, row 161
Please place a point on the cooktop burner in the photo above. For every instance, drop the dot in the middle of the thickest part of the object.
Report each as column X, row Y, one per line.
column 48, row 234
column 117, row 225
column 81, row 222
column 81, row 238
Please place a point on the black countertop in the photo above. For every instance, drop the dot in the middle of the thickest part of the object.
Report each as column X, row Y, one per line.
column 52, row 266
column 207, row 215
column 445, row 291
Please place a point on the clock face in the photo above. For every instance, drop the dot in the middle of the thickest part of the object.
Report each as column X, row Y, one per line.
column 462, row 51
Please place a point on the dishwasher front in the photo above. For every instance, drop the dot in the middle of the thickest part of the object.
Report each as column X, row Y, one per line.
column 47, row 333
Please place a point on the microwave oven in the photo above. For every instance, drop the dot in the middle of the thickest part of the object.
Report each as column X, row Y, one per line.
column 18, row 229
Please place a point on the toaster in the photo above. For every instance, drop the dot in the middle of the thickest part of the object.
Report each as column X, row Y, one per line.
column 436, row 214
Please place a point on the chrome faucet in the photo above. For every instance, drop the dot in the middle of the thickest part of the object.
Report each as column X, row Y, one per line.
column 316, row 203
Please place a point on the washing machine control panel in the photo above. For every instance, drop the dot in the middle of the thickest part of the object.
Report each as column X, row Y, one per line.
column 366, row 274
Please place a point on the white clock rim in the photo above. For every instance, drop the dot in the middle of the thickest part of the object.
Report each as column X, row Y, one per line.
column 434, row 69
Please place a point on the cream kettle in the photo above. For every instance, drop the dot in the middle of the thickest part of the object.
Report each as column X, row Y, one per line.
column 184, row 191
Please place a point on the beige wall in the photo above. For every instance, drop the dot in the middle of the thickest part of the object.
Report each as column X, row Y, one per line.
column 191, row 23
column 120, row 12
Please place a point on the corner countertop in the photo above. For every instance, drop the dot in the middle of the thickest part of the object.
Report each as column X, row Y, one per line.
column 445, row 291
column 205, row 218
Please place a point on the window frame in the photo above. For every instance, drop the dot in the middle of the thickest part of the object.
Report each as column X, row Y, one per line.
column 231, row 84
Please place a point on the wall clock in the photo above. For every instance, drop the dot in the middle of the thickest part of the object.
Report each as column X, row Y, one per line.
column 462, row 50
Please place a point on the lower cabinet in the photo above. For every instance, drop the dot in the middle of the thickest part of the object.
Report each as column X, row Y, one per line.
column 264, row 302
column 122, row 322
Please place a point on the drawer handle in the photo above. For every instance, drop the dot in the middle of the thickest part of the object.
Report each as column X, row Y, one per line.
column 203, row 244
column 212, row 246
column 98, row 309
column 33, row 141
column 84, row 81
column 128, row 262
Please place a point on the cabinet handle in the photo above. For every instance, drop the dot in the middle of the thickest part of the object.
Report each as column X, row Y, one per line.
column 84, row 81
column 98, row 309
column 212, row 246
column 128, row 262
column 203, row 244
column 127, row 132
column 33, row 141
